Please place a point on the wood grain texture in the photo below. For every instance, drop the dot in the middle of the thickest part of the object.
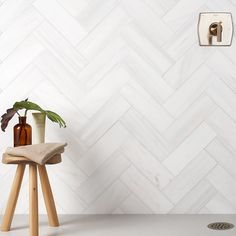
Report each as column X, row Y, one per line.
column 33, row 201
column 13, row 197
column 48, row 196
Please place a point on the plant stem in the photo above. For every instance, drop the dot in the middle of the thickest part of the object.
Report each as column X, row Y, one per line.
column 25, row 137
column 18, row 113
column 19, row 137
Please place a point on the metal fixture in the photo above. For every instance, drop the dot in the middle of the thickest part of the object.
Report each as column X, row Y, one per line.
column 215, row 29
column 220, row 226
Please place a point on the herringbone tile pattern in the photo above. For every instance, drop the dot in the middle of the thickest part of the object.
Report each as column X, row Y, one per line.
column 151, row 115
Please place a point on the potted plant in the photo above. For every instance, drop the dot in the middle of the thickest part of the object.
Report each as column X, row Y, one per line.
column 22, row 130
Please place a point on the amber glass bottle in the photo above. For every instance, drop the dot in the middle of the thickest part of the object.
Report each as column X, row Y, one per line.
column 22, row 133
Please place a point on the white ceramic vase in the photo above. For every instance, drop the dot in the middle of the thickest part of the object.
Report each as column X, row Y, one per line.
column 38, row 128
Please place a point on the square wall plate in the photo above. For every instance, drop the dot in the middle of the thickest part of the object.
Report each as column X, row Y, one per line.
column 215, row 29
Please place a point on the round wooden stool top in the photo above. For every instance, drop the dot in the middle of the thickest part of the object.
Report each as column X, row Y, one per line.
column 9, row 159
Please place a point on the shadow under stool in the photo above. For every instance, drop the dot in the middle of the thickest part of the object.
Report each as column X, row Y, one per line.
column 21, row 163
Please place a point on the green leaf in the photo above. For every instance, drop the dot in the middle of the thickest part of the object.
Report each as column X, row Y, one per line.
column 54, row 117
column 27, row 105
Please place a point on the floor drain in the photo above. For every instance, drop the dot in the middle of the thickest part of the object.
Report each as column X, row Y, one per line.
column 220, row 226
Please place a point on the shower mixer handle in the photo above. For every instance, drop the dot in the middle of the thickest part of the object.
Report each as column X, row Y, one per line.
column 215, row 29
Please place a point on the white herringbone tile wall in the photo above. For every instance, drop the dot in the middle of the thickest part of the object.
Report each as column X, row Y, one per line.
column 151, row 115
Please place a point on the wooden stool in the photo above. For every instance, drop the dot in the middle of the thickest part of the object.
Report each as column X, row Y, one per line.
column 21, row 162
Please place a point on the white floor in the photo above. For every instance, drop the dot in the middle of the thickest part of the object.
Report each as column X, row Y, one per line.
column 124, row 225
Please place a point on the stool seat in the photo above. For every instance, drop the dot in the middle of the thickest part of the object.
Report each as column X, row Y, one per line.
column 9, row 159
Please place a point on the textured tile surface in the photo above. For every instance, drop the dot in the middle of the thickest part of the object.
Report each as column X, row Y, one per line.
column 150, row 114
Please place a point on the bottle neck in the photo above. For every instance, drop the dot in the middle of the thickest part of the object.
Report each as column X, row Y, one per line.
column 22, row 120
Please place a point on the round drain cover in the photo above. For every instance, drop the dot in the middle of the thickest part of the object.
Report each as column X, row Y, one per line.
column 220, row 226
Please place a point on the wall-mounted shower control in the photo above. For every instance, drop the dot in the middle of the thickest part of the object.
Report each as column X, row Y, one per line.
column 215, row 29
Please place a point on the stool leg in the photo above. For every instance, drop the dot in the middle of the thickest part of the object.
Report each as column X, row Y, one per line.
column 33, row 201
column 12, row 200
column 48, row 196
